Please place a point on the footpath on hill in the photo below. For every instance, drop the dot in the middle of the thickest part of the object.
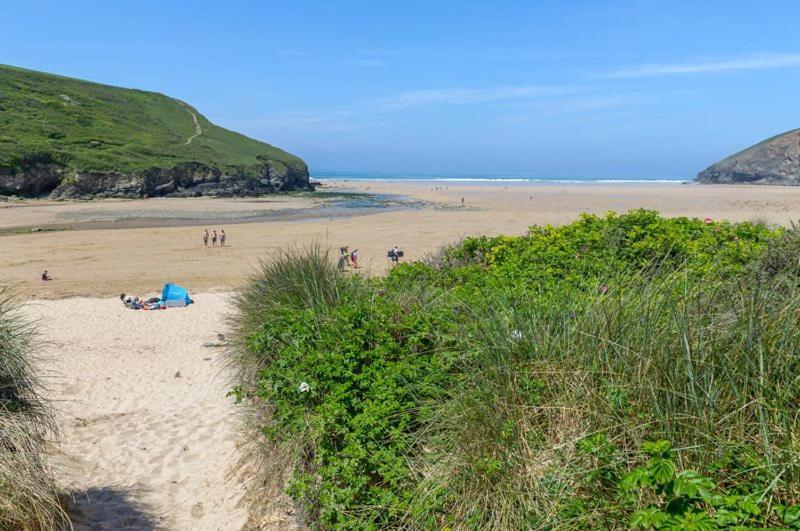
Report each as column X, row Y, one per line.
column 197, row 129
column 148, row 434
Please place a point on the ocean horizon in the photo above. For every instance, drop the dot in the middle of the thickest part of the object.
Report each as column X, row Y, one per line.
column 489, row 179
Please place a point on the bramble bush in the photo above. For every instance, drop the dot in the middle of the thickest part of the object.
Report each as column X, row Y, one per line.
column 519, row 382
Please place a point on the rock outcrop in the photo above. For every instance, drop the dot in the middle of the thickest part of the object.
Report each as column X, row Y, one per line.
column 773, row 161
column 183, row 180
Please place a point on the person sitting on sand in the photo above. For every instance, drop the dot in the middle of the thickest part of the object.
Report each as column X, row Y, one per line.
column 213, row 238
column 46, row 277
column 205, row 238
column 222, row 237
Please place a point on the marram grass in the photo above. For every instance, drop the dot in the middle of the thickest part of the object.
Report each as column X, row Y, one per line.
column 29, row 498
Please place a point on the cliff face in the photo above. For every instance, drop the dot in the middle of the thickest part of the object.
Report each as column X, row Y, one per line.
column 66, row 138
column 183, row 180
column 773, row 161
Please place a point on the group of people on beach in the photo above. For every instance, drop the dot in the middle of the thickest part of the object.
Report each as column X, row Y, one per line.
column 214, row 237
column 135, row 303
column 347, row 258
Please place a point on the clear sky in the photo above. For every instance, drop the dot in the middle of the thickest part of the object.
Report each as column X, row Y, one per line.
column 622, row 89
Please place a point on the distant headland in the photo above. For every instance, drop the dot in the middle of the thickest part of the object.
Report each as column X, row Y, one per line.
column 775, row 160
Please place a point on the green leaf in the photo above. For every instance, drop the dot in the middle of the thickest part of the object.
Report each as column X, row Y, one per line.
column 659, row 448
column 692, row 521
column 638, row 477
column 662, row 470
column 691, row 484
column 790, row 514
column 650, row 518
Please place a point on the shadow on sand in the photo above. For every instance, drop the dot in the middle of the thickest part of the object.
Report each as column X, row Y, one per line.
column 109, row 508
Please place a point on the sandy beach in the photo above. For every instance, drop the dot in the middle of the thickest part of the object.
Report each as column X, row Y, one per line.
column 149, row 435
column 90, row 261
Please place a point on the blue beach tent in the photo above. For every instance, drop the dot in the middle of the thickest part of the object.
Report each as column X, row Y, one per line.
column 174, row 295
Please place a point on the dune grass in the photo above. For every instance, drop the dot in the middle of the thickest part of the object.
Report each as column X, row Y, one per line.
column 29, row 498
column 627, row 371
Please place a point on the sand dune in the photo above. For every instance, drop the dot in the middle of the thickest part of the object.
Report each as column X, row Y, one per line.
column 148, row 433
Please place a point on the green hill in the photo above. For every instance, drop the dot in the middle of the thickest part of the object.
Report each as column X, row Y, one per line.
column 70, row 137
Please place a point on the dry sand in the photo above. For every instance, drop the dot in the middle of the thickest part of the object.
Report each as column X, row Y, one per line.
column 148, row 435
column 144, row 448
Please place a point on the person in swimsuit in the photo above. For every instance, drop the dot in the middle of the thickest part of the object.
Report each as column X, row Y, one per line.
column 205, row 238
column 213, row 238
column 222, row 237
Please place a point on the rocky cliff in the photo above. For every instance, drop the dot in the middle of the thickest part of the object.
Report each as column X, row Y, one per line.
column 773, row 161
column 47, row 179
column 65, row 138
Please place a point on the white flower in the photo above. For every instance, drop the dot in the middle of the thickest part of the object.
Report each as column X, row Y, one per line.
column 516, row 335
column 304, row 387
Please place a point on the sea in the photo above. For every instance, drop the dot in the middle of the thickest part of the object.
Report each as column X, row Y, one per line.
column 323, row 176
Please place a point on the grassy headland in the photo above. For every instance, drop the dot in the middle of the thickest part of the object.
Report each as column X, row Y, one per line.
column 85, row 126
column 626, row 371
column 29, row 499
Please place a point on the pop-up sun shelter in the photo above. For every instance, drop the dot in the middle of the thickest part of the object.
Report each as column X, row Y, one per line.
column 173, row 296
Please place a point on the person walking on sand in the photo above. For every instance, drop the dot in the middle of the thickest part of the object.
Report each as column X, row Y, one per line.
column 214, row 238
column 354, row 259
column 205, row 238
column 222, row 237
column 343, row 259
column 394, row 255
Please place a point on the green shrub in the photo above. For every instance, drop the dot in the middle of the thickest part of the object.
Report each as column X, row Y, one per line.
column 781, row 255
column 513, row 383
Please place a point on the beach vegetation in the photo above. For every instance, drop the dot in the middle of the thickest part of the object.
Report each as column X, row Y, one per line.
column 29, row 498
column 623, row 371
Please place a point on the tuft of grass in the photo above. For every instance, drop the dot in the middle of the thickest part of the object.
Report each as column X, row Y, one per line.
column 29, row 498
column 303, row 278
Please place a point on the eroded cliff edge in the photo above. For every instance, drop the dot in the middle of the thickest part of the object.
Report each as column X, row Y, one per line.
column 773, row 161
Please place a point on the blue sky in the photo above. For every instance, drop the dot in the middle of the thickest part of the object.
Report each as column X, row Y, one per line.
column 609, row 89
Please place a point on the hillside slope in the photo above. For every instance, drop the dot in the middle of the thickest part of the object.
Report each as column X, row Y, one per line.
column 71, row 138
column 775, row 160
